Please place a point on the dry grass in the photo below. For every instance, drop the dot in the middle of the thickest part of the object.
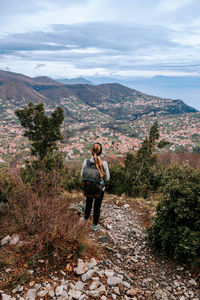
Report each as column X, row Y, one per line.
column 42, row 215
column 49, row 227
column 169, row 159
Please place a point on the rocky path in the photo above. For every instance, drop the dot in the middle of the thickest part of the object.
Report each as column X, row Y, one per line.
column 149, row 277
column 128, row 271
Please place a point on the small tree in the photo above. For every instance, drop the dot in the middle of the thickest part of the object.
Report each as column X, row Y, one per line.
column 141, row 168
column 43, row 131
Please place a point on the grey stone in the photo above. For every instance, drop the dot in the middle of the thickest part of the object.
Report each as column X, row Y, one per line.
column 75, row 294
column 63, row 273
column 37, row 286
column 81, row 268
column 96, row 293
column 64, row 296
column 59, row 290
column 5, row 297
column 91, row 264
column 109, row 273
column 114, row 296
column 95, row 284
column 192, row 282
column 93, row 294
column 191, row 293
column 109, row 227
column 161, row 294
column 112, row 281
column 15, row 238
column 176, row 283
column 100, row 273
column 87, row 275
column 16, row 289
column 126, row 285
column 42, row 294
column 41, row 261
column 72, row 286
column 126, row 206
column 31, row 294
column 116, row 290
column 5, row 240
column 51, row 293
column 8, row 270
column 79, row 286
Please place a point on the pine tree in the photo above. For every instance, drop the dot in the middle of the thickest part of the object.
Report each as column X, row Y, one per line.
column 141, row 167
column 42, row 131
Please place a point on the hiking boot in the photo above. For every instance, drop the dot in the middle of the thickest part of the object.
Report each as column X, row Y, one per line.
column 95, row 227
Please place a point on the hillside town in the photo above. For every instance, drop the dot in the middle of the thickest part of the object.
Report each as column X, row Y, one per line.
column 182, row 131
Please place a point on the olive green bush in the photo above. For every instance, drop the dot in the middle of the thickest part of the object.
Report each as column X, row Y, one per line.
column 5, row 183
column 118, row 180
column 73, row 180
column 175, row 231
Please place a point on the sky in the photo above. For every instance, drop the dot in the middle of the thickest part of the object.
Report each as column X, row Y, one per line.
column 117, row 38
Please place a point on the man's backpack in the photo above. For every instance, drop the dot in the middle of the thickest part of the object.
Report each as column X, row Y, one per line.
column 92, row 183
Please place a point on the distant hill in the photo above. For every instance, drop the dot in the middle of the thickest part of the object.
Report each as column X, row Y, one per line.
column 113, row 100
column 74, row 81
column 46, row 80
column 186, row 88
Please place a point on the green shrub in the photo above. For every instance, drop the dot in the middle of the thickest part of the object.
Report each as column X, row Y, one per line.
column 175, row 231
column 118, row 180
column 5, row 184
column 73, row 180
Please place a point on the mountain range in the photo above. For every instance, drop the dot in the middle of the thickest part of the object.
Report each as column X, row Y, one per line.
column 83, row 102
column 186, row 88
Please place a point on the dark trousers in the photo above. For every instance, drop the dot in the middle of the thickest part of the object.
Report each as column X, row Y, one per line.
column 97, row 207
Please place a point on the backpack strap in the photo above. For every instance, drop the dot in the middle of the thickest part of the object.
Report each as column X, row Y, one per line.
column 89, row 163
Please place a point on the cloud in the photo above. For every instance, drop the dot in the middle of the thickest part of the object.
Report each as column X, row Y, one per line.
column 40, row 66
column 100, row 36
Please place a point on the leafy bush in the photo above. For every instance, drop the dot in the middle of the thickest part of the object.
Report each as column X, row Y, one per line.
column 5, row 183
column 73, row 180
column 118, row 180
column 176, row 228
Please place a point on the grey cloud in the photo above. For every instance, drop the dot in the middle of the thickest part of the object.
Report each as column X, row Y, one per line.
column 119, row 46
column 40, row 66
column 98, row 35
